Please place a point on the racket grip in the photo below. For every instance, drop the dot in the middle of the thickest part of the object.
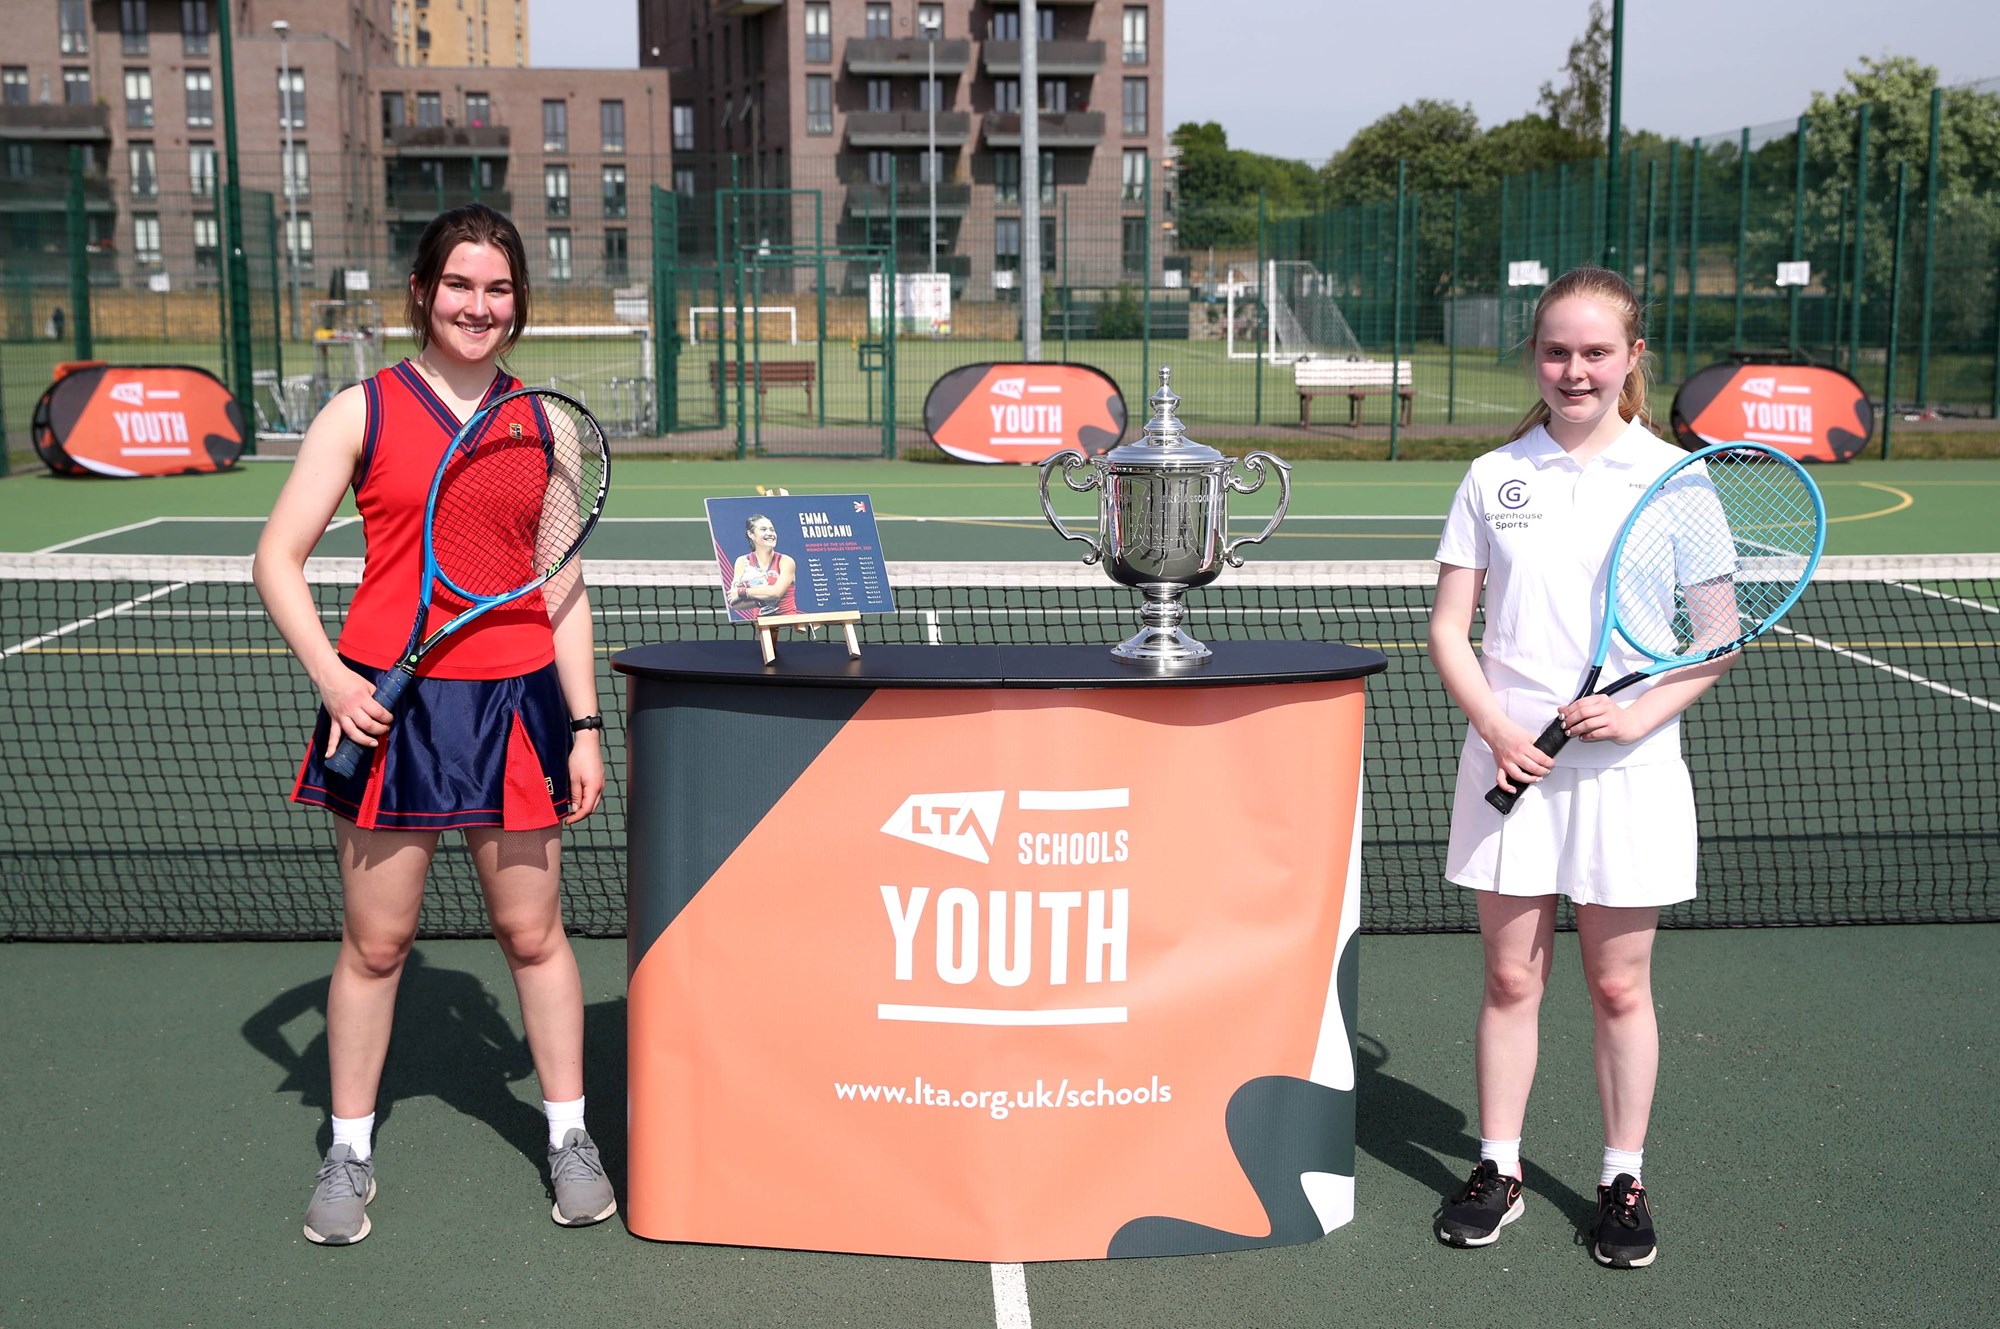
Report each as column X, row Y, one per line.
column 1551, row 741
column 348, row 756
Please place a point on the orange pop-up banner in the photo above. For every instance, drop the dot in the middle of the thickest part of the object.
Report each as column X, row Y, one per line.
column 1016, row 975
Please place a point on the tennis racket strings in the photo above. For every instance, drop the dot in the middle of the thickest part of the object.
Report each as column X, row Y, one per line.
column 1716, row 555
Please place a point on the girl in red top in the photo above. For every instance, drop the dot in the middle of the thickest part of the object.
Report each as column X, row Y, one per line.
column 498, row 738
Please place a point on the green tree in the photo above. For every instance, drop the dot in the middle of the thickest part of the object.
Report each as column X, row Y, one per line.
column 1439, row 141
column 1219, row 187
column 1581, row 105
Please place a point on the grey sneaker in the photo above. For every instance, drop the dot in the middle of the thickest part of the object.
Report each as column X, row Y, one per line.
column 576, row 1174
column 338, row 1214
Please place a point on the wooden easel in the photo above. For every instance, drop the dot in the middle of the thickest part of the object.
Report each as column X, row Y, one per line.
column 767, row 630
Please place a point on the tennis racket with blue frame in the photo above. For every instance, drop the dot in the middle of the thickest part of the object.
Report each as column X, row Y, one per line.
column 1711, row 557
column 518, row 491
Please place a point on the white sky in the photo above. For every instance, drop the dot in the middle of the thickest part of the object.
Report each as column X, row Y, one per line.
column 1296, row 78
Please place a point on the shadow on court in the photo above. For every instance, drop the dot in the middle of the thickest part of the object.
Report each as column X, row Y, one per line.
column 454, row 1043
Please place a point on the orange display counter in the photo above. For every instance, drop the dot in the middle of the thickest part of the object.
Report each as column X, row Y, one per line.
column 992, row 953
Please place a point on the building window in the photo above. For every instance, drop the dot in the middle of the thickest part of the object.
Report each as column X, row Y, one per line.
column 138, row 99
column 430, row 110
column 20, row 160
column 559, row 261
column 76, row 87
column 879, row 24
column 819, row 104
column 930, row 166
column 14, row 85
column 146, row 237
column 292, row 98
column 196, row 23
column 930, row 96
column 1007, row 244
column 299, row 239
column 616, row 261
column 1135, row 105
column 1005, row 25
column 555, row 126
column 295, row 171
column 881, row 94
column 881, row 167
column 207, row 245
column 614, row 191
column 611, row 125
column 683, row 126
column 478, row 109
column 684, row 181
column 75, row 20
column 555, row 190
column 393, row 112
column 1006, row 96
column 200, row 99
column 1055, row 95
column 1135, row 175
column 1134, row 230
column 1135, row 34
column 1006, row 177
column 201, row 169
column 819, row 32
column 132, row 26
column 145, row 169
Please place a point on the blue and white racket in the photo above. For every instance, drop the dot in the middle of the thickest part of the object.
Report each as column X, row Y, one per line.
column 515, row 496
column 1712, row 556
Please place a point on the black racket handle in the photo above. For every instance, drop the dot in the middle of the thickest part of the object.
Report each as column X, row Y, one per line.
column 1550, row 741
column 348, row 756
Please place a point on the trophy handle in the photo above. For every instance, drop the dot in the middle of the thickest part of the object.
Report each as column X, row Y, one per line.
column 1071, row 459
column 1255, row 462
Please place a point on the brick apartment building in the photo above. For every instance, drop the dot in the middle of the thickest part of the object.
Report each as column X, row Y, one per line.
column 377, row 148
column 833, row 95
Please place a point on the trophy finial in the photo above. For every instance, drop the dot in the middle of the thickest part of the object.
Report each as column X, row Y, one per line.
column 1165, row 429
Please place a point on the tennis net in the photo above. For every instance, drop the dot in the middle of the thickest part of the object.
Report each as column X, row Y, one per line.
column 1848, row 770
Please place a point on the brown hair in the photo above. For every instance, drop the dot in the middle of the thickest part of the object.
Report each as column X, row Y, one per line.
column 1609, row 289
column 473, row 224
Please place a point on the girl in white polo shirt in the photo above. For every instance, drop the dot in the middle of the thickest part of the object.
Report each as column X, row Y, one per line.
column 1610, row 823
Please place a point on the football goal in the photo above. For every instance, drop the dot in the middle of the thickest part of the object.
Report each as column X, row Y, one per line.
column 1301, row 318
column 763, row 323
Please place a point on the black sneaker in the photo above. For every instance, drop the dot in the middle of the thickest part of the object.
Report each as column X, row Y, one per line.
column 1488, row 1203
column 1623, row 1238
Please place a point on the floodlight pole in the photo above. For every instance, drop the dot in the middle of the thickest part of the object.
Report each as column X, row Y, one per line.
column 288, row 175
column 930, row 23
column 1031, row 192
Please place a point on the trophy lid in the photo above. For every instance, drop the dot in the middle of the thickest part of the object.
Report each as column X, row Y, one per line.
column 1164, row 444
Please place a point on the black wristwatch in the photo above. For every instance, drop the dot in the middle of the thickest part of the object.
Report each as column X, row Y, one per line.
column 584, row 722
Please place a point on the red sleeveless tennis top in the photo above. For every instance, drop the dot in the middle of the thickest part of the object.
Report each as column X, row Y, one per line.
column 408, row 429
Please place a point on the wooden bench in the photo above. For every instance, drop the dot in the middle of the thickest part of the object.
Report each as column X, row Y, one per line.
column 1352, row 379
column 765, row 374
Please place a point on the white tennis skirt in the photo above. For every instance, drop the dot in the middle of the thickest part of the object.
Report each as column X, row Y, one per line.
column 1622, row 836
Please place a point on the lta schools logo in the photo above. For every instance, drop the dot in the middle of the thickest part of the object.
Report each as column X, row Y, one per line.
column 961, row 824
column 1514, row 494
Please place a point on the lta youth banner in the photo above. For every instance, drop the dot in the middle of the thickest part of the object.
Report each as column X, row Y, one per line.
column 1023, row 413
column 133, row 420
column 1811, row 412
column 999, row 975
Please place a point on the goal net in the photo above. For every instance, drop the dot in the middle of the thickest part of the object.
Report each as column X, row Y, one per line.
column 1305, row 319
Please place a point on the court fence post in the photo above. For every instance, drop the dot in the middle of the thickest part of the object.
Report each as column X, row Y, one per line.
column 1895, row 308
column 1396, row 306
column 1930, row 254
column 79, row 258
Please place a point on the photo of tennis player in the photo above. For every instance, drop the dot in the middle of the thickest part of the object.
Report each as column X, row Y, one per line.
column 762, row 581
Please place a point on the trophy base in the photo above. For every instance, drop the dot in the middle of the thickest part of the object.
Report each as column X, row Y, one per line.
column 1161, row 648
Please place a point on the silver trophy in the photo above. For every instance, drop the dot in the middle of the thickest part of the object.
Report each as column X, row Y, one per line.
column 1162, row 519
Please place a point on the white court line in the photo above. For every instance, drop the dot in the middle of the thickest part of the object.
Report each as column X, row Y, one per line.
column 1888, row 668
column 68, row 628
column 99, row 535
column 333, row 525
column 1940, row 595
column 1010, row 1297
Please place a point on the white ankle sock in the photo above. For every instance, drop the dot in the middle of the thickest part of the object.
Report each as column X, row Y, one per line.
column 1621, row 1160
column 563, row 1118
column 1506, row 1155
column 357, row 1133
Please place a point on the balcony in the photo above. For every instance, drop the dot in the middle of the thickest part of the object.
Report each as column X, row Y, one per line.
column 1065, row 129
column 1054, row 59
column 912, row 199
column 905, row 55
column 420, row 201
column 749, row 6
column 75, row 124
column 910, row 129
column 447, row 140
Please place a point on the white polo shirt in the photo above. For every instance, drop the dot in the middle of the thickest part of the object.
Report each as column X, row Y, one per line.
column 1542, row 527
